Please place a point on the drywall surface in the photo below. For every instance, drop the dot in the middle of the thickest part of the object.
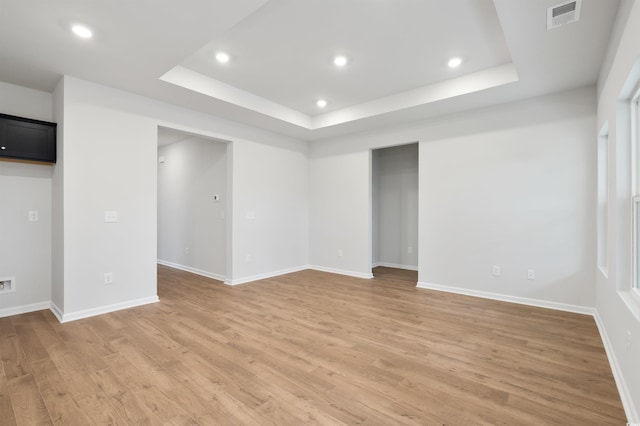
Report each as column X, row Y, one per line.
column 270, row 209
column 110, row 164
column 395, row 206
column 339, row 213
column 25, row 102
column 25, row 247
column 520, row 198
column 192, row 230
column 57, row 207
column 511, row 185
column 619, row 312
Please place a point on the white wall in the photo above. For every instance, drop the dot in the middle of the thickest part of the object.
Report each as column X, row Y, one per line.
column 270, row 184
column 25, row 247
column 517, row 196
column 24, row 102
column 110, row 163
column 57, row 207
column 192, row 231
column 512, row 185
column 339, row 211
column 618, row 312
column 395, row 206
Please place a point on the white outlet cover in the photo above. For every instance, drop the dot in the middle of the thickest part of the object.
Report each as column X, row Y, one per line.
column 110, row 216
column 10, row 285
column 33, row 216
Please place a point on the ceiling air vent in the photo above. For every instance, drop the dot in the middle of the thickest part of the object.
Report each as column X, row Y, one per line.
column 564, row 13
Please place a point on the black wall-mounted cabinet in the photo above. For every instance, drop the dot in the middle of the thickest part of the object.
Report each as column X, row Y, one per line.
column 27, row 139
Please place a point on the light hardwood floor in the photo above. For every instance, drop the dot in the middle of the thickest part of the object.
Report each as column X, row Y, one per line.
column 307, row 348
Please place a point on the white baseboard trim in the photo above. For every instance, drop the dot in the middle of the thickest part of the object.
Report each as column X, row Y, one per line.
column 56, row 311
column 24, row 309
column 625, row 395
column 73, row 316
column 341, row 272
column 264, row 276
column 586, row 310
column 396, row 266
column 192, row 270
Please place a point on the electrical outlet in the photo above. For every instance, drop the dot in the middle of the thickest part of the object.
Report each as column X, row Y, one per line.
column 339, row 252
column 110, row 216
column 496, row 271
column 531, row 274
column 186, row 250
column 108, row 277
column 249, row 258
column 7, row 285
column 33, row 216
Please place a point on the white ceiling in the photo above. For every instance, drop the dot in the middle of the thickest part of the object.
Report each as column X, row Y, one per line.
column 281, row 53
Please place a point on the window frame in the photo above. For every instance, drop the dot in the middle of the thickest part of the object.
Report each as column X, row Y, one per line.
column 603, row 199
column 634, row 106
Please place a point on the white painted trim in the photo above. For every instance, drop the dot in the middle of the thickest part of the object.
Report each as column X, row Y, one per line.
column 73, row 316
column 24, row 309
column 604, row 271
column 192, row 270
column 625, row 395
column 341, row 272
column 586, row 310
column 56, row 311
column 264, row 276
column 396, row 266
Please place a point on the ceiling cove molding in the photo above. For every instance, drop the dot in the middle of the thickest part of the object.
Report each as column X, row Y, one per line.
column 192, row 80
column 474, row 82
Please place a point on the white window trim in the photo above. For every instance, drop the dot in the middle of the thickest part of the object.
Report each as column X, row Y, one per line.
column 634, row 288
column 603, row 222
column 635, row 209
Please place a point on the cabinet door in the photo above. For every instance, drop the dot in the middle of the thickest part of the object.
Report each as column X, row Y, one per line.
column 26, row 140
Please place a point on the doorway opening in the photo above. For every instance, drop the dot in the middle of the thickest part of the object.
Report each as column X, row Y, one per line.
column 193, row 203
column 394, row 211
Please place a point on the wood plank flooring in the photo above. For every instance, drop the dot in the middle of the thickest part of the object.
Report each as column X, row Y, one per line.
column 307, row 348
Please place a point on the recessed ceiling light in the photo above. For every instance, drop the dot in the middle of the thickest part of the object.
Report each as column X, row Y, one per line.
column 321, row 103
column 222, row 57
column 454, row 62
column 340, row 61
column 82, row 31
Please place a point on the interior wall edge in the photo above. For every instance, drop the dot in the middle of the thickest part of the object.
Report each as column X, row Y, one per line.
column 196, row 271
column 625, row 394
